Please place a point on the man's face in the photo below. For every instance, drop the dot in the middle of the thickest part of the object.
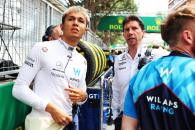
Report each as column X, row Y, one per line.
column 74, row 26
column 133, row 33
column 57, row 33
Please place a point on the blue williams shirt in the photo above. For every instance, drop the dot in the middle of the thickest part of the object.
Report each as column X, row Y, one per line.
column 162, row 94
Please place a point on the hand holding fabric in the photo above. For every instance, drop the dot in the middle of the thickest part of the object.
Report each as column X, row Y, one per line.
column 58, row 115
column 76, row 94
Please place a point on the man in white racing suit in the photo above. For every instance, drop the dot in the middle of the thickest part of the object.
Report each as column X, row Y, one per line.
column 59, row 73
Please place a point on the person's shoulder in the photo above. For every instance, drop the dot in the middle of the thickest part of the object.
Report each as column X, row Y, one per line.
column 120, row 57
column 37, row 45
column 44, row 43
column 80, row 56
column 153, row 64
column 43, row 46
column 172, row 61
column 190, row 62
column 49, row 43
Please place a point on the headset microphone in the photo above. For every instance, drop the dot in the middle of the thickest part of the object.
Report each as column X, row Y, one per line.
column 70, row 55
column 70, row 49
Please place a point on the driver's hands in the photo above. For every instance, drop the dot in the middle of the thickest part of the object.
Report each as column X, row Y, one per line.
column 76, row 94
column 58, row 115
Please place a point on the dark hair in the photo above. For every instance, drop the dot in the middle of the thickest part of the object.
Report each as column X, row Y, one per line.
column 133, row 18
column 48, row 32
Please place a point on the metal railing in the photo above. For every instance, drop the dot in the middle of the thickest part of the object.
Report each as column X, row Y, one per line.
column 106, row 92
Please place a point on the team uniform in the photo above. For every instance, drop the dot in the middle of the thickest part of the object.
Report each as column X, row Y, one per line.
column 123, row 64
column 125, row 67
column 54, row 65
column 159, row 99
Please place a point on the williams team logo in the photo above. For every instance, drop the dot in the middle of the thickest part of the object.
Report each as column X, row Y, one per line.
column 76, row 71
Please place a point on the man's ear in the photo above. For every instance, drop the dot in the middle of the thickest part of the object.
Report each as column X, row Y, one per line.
column 50, row 38
column 61, row 26
column 187, row 36
column 87, row 29
column 143, row 34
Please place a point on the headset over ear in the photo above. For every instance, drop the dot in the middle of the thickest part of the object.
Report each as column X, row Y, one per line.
column 48, row 33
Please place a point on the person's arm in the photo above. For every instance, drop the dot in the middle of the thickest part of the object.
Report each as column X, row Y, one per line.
column 115, row 104
column 76, row 95
column 58, row 115
column 129, row 119
column 28, row 71
column 129, row 123
column 22, row 92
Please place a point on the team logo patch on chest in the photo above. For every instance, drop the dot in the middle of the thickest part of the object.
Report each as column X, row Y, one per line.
column 122, row 63
column 29, row 61
column 76, row 71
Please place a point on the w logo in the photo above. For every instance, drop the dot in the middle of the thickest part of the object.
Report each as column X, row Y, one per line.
column 77, row 71
column 165, row 72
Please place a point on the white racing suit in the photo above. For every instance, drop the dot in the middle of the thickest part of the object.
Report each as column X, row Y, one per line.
column 53, row 65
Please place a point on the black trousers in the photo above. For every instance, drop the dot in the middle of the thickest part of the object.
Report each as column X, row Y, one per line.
column 118, row 122
column 70, row 126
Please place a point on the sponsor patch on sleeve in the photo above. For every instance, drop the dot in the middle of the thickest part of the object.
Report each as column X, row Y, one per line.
column 29, row 61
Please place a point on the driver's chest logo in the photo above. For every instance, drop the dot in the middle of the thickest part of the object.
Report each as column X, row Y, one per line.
column 76, row 71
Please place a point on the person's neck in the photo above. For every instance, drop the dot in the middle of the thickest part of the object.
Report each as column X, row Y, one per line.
column 184, row 50
column 132, row 51
column 72, row 42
